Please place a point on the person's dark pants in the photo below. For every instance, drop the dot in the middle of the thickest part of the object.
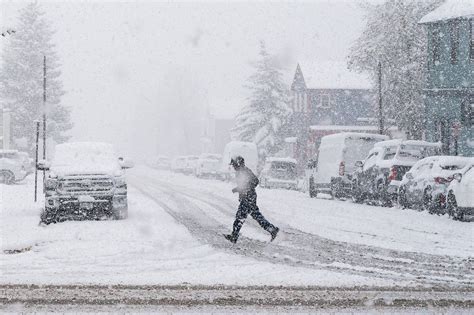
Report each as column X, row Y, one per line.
column 249, row 206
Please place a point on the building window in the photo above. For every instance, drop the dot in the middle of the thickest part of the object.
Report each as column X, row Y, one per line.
column 454, row 37
column 467, row 113
column 436, row 42
column 471, row 26
column 324, row 101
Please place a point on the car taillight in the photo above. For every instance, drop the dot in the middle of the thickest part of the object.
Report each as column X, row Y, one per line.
column 341, row 168
column 442, row 180
column 393, row 173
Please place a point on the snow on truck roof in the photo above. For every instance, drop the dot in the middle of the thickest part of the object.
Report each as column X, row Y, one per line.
column 348, row 128
column 281, row 159
column 397, row 142
column 451, row 9
column 85, row 158
column 239, row 144
column 345, row 135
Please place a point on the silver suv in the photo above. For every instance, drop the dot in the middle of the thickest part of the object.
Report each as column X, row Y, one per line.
column 13, row 166
column 85, row 180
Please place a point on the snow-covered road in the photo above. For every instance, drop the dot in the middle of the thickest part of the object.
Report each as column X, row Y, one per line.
column 207, row 209
column 174, row 236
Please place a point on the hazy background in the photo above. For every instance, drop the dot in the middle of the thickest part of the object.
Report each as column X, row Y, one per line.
column 135, row 71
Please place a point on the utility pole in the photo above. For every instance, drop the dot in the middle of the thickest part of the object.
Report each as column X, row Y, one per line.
column 380, row 111
column 44, row 112
column 37, row 123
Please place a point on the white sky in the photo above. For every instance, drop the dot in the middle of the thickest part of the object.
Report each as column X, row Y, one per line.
column 126, row 64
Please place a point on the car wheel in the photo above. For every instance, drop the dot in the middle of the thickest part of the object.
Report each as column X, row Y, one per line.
column 428, row 203
column 6, row 177
column 402, row 198
column 356, row 193
column 381, row 194
column 48, row 217
column 120, row 211
column 312, row 189
column 452, row 208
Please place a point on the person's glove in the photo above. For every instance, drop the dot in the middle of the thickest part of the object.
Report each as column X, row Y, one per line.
column 234, row 190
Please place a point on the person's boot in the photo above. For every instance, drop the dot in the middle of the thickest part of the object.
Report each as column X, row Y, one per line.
column 274, row 233
column 230, row 238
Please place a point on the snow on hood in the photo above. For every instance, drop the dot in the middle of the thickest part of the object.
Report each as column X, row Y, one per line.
column 83, row 158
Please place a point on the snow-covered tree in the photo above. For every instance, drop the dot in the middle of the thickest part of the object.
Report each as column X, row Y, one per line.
column 393, row 37
column 21, row 78
column 267, row 110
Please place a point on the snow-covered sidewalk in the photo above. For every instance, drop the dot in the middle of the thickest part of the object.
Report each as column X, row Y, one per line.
column 150, row 247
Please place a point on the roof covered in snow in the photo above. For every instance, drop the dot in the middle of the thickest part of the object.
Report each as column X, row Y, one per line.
column 332, row 75
column 451, row 9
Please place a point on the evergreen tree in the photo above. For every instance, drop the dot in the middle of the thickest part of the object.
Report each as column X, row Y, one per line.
column 261, row 120
column 393, row 37
column 21, row 79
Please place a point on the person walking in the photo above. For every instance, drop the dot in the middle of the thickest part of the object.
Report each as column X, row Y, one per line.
column 246, row 183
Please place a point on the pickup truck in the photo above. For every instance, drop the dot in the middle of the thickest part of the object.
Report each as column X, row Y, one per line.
column 84, row 180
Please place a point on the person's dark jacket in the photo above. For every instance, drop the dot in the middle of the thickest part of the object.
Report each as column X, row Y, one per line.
column 246, row 183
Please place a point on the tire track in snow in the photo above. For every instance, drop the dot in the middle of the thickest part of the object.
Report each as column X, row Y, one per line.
column 302, row 249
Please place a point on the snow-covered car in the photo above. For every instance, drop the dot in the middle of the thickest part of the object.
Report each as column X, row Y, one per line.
column 379, row 176
column 247, row 150
column 191, row 163
column 84, row 180
column 178, row 165
column 208, row 164
column 162, row 162
column 425, row 185
column 13, row 167
column 460, row 200
column 279, row 173
column 331, row 172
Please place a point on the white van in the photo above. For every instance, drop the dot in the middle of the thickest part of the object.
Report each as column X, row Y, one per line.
column 336, row 159
column 247, row 150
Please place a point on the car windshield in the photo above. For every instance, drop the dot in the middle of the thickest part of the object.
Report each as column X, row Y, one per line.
column 356, row 149
column 287, row 168
column 84, row 154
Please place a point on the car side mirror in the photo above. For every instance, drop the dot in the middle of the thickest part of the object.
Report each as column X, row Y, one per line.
column 126, row 163
column 409, row 175
column 457, row 176
column 359, row 164
column 43, row 165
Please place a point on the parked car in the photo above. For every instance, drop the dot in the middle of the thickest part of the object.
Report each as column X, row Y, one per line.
column 162, row 162
column 425, row 185
column 209, row 165
column 84, row 180
column 331, row 172
column 178, row 165
column 378, row 177
column 12, row 167
column 460, row 200
column 279, row 173
column 191, row 163
column 248, row 150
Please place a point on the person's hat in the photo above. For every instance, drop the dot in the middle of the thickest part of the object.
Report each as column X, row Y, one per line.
column 237, row 161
